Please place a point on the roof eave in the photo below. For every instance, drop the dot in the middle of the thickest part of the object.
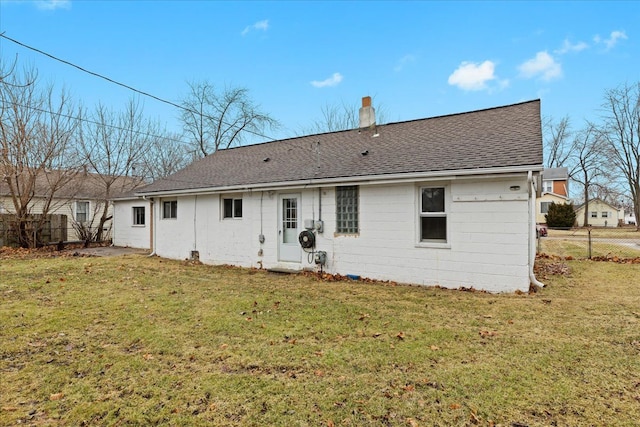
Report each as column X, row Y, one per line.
column 371, row 179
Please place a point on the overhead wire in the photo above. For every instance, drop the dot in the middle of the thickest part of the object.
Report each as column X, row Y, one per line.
column 131, row 88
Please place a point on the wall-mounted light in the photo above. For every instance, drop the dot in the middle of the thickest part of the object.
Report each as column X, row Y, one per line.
column 514, row 188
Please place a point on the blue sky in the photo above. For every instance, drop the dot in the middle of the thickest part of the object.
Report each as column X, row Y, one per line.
column 417, row 59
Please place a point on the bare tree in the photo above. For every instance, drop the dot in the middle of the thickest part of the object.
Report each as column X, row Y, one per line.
column 621, row 130
column 343, row 116
column 112, row 144
column 557, row 141
column 37, row 128
column 164, row 156
column 218, row 120
column 585, row 157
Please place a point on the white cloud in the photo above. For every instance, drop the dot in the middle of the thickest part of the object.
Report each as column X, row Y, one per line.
column 260, row 25
column 613, row 39
column 472, row 76
column 567, row 47
column 53, row 4
column 404, row 61
column 334, row 80
column 543, row 66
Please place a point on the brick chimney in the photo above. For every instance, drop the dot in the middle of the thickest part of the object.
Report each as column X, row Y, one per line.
column 367, row 113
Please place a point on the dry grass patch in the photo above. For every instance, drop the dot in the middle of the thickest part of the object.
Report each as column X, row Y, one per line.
column 143, row 341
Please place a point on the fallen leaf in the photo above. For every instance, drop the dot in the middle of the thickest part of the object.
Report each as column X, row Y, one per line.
column 330, row 423
column 147, row 356
column 377, row 334
column 56, row 396
column 224, row 346
column 435, row 347
column 412, row 422
column 454, row 406
column 400, row 335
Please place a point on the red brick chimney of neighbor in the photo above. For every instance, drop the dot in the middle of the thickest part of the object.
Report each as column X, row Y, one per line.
column 367, row 113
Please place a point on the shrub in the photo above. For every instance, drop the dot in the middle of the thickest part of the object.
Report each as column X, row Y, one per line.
column 560, row 215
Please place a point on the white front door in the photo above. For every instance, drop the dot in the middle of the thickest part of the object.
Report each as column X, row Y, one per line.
column 288, row 225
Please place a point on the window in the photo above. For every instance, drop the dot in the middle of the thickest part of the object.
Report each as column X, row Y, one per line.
column 138, row 215
column 547, row 186
column 82, row 212
column 433, row 215
column 594, row 214
column 544, row 207
column 232, row 208
column 605, row 214
column 170, row 209
column 347, row 209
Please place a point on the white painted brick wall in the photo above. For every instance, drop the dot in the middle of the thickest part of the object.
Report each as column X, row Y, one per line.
column 487, row 248
column 124, row 232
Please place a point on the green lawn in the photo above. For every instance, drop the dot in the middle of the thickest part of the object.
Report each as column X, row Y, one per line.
column 145, row 341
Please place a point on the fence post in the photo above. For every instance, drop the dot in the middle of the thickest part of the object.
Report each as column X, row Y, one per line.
column 589, row 234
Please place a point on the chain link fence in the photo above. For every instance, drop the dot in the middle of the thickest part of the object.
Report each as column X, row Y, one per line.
column 591, row 242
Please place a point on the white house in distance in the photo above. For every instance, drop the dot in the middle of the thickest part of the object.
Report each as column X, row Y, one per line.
column 601, row 214
column 446, row 201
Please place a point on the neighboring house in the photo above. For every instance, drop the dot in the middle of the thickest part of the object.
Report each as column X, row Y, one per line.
column 601, row 214
column 554, row 189
column 556, row 181
column 446, row 201
column 630, row 218
column 81, row 200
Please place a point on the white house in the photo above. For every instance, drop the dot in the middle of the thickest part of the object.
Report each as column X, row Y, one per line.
column 446, row 201
column 600, row 214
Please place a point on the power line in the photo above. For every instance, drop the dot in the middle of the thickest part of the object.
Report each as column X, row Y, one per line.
column 173, row 104
column 81, row 119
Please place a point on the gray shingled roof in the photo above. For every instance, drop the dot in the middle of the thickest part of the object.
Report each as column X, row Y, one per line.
column 499, row 137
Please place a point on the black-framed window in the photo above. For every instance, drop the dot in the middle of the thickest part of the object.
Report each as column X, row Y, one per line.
column 170, row 209
column 347, row 209
column 433, row 214
column 232, row 208
column 138, row 215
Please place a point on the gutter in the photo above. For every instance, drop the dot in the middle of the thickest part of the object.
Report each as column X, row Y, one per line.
column 532, row 231
column 366, row 179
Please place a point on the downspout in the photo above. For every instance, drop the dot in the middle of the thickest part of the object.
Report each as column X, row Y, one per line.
column 152, row 232
column 195, row 228
column 532, row 231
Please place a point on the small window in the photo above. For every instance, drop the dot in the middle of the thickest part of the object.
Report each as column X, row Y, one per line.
column 347, row 209
column 170, row 209
column 82, row 212
column 594, row 214
column 232, row 208
column 605, row 214
column 138, row 215
column 547, row 186
column 544, row 207
column 433, row 215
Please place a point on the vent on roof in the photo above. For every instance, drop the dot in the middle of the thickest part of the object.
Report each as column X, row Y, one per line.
column 367, row 113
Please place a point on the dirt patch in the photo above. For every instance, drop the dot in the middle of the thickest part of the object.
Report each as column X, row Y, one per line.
column 72, row 250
